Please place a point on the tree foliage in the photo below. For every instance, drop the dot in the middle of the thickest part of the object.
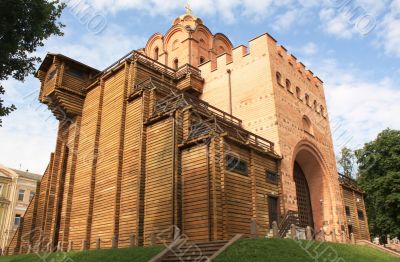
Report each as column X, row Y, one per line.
column 24, row 25
column 347, row 161
column 379, row 176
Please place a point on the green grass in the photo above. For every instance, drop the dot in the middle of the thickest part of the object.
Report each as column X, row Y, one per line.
column 111, row 255
column 284, row 250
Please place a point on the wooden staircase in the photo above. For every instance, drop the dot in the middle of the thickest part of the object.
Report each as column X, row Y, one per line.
column 189, row 251
column 291, row 217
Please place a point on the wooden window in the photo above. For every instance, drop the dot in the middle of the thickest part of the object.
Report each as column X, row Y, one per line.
column 234, row 164
column 360, row 214
column 272, row 177
column 76, row 72
column 279, row 78
column 51, row 75
column 21, row 195
column 347, row 211
column 17, row 220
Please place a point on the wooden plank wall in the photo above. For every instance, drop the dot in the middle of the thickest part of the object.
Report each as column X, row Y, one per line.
column 263, row 189
column 130, row 173
column 363, row 224
column 72, row 144
column 107, row 166
column 196, row 193
column 238, row 195
column 82, row 184
column 159, row 210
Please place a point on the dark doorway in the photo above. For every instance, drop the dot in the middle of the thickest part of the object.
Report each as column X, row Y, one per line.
column 272, row 210
column 350, row 229
column 303, row 198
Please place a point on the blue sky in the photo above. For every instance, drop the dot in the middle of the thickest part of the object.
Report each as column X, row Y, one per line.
column 353, row 45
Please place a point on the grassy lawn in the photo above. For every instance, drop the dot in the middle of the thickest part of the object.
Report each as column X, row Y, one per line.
column 111, row 255
column 283, row 250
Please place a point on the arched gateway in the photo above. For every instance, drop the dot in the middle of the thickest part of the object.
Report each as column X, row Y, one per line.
column 303, row 198
column 312, row 194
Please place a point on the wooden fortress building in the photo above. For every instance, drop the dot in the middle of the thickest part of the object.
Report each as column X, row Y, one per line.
column 190, row 133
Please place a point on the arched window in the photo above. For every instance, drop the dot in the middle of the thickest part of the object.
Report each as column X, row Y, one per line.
column 307, row 97
column 288, row 85
column 298, row 92
column 202, row 60
column 155, row 55
column 315, row 106
column 176, row 64
column 175, row 44
column 322, row 110
column 279, row 78
column 307, row 127
column 203, row 43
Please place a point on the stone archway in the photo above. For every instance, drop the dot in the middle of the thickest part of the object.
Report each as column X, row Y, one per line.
column 309, row 175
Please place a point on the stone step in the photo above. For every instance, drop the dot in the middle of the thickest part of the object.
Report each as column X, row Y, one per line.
column 195, row 251
column 196, row 246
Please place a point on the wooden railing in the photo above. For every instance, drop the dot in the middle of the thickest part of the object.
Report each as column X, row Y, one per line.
column 291, row 217
column 349, row 182
column 163, row 69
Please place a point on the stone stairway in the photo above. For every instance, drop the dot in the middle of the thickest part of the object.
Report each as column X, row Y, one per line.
column 189, row 251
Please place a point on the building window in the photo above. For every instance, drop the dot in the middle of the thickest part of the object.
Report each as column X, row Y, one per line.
column 272, row 177
column 202, row 60
column 288, row 85
column 76, row 72
column 347, row 211
column 176, row 64
column 307, row 97
column 156, row 51
column 298, row 92
column 234, row 164
column 1, row 189
column 360, row 214
column 307, row 127
column 51, row 75
column 279, row 78
column 315, row 106
column 21, row 195
column 31, row 195
column 322, row 110
column 17, row 220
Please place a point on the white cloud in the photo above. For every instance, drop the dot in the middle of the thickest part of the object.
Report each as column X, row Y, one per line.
column 358, row 107
column 389, row 30
column 309, row 49
column 97, row 50
column 336, row 23
column 28, row 135
column 286, row 20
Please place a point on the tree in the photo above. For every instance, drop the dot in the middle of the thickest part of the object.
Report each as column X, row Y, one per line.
column 379, row 176
column 347, row 161
column 24, row 25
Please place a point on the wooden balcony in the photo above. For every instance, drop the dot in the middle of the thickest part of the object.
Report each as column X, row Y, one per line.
column 63, row 81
